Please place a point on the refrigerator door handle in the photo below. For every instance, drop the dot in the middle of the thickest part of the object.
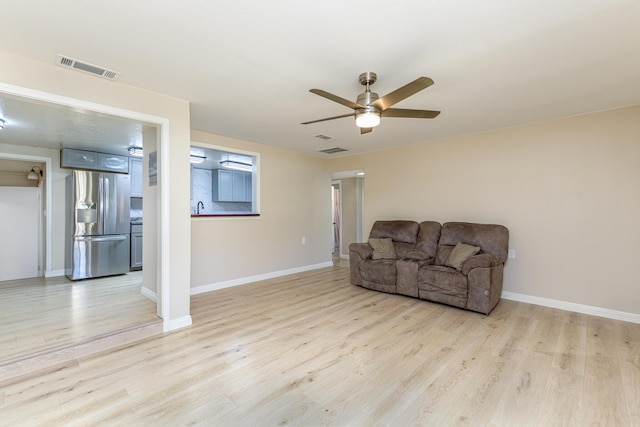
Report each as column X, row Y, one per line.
column 101, row 208
column 106, row 206
column 102, row 238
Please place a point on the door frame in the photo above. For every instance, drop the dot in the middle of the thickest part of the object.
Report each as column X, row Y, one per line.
column 336, row 177
column 337, row 183
column 45, row 264
column 162, row 208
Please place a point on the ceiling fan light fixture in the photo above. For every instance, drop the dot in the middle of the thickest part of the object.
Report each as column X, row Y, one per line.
column 369, row 107
column 368, row 119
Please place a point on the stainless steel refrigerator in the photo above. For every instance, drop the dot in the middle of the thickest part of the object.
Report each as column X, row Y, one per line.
column 97, row 224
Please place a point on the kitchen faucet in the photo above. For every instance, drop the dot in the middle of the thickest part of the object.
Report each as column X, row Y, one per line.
column 198, row 207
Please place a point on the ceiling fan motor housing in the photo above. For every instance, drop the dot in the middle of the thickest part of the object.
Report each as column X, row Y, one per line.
column 367, row 97
column 367, row 78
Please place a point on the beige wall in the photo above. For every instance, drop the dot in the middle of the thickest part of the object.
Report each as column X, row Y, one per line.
column 295, row 202
column 568, row 190
column 13, row 173
column 348, row 188
column 39, row 76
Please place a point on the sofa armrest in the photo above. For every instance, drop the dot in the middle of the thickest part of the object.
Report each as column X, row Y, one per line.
column 364, row 250
column 480, row 261
column 357, row 253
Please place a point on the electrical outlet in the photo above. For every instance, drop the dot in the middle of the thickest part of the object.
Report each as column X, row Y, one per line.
column 512, row 253
column 304, row 241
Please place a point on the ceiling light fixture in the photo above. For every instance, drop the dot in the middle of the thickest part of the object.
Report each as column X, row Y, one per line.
column 2, row 122
column 197, row 159
column 135, row 151
column 368, row 118
column 230, row 164
column 33, row 174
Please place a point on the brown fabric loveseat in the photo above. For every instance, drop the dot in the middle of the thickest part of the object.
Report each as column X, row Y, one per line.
column 456, row 263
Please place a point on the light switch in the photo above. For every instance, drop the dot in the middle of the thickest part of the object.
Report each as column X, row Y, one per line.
column 512, row 253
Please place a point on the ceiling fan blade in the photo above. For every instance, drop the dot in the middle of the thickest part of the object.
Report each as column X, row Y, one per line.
column 404, row 92
column 328, row 118
column 416, row 114
column 336, row 98
column 365, row 130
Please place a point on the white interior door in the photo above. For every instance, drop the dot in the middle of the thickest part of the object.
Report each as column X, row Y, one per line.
column 19, row 231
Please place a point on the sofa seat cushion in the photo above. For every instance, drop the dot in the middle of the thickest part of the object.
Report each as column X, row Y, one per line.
column 379, row 274
column 442, row 284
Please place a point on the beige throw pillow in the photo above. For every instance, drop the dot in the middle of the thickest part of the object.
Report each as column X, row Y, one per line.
column 383, row 248
column 460, row 253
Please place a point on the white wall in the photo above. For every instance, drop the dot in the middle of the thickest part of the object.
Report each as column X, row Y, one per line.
column 294, row 203
column 568, row 190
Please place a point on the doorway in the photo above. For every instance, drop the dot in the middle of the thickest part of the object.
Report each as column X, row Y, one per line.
column 14, row 171
column 336, row 219
column 54, row 231
column 347, row 203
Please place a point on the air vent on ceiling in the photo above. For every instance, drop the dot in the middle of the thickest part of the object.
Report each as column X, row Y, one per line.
column 333, row 150
column 96, row 70
column 324, row 137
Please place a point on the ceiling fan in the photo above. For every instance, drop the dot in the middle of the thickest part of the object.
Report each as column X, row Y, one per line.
column 369, row 107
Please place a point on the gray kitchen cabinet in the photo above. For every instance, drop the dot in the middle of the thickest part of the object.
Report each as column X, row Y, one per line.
column 239, row 187
column 79, row 159
column 230, row 186
column 135, row 170
column 90, row 160
column 136, row 247
column 113, row 163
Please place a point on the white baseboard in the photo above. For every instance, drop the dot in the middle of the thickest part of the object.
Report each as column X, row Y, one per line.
column 172, row 325
column 54, row 273
column 148, row 293
column 570, row 306
column 257, row 278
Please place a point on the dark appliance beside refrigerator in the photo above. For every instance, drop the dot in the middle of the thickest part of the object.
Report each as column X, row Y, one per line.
column 98, row 239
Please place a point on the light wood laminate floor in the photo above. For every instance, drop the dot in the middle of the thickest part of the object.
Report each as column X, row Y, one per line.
column 311, row 349
column 40, row 314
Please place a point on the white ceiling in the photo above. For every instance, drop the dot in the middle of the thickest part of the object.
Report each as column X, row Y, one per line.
column 246, row 66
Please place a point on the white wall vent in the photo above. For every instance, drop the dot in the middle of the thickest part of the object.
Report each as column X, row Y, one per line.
column 85, row 67
column 324, row 137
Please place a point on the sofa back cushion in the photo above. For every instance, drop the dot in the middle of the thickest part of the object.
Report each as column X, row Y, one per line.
column 403, row 233
column 428, row 236
column 398, row 230
column 492, row 239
